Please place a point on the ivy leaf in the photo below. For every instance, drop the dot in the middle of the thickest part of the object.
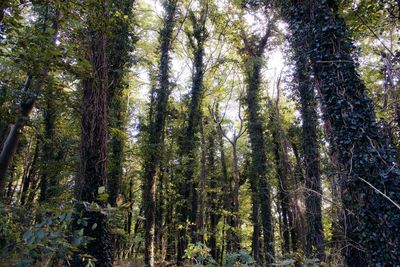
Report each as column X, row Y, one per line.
column 101, row 190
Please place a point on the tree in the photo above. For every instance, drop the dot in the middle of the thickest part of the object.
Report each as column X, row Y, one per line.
column 369, row 175
column 187, row 210
column 156, row 128
column 313, row 191
column 252, row 58
column 119, row 47
column 93, row 155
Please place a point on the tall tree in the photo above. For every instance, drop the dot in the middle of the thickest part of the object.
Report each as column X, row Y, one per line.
column 92, row 178
column 187, row 211
column 119, row 49
column 156, row 127
column 253, row 62
column 312, row 178
column 369, row 176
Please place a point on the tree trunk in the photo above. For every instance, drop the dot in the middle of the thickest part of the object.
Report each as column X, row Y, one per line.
column 29, row 174
column 200, row 218
column 119, row 47
column 313, row 193
column 366, row 159
column 258, row 152
column 216, row 203
column 154, row 148
column 50, row 159
column 93, row 158
column 187, row 211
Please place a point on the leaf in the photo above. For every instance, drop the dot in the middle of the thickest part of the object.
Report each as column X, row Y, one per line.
column 101, row 190
column 28, row 234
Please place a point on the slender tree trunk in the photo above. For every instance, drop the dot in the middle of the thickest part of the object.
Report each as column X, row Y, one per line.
column 200, row 218
column 29, row 174
column 49, row 170
column 155, row 138
column 259, row 160
column 255, row 218
column 215, row 200
column 312, row 177
column 235, row 199
column 119, row 47
column 313, row 199
column 283, row 196
column 187, row 211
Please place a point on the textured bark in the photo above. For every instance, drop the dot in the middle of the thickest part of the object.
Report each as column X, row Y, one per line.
column 93, row 158
column 155, row 136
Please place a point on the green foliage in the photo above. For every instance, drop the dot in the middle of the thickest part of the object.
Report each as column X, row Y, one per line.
column 239, row 259
column 199, row 255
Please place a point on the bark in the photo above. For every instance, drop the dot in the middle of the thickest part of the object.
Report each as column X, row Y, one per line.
column 156, row 128
column 93, row 158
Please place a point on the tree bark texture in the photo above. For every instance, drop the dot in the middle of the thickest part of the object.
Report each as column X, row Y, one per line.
column 93, row 150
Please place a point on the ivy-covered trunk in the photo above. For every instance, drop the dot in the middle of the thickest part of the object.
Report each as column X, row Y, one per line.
column 282, row 173
column 258, row 152
column 301, row 39
column 187, row 211
column 154, row 146
column 369, row 175
column 93, row 151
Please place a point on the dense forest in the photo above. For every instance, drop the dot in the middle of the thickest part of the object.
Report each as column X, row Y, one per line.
column 200, row 133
